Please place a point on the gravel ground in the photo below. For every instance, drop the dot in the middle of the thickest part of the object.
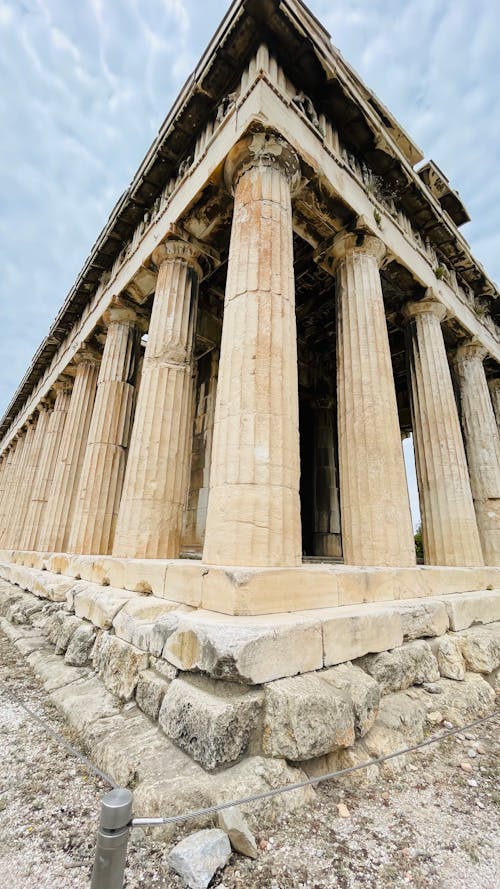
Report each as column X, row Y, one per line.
column 432, row 824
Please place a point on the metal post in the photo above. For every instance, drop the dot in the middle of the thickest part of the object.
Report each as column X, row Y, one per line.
column 112, row 839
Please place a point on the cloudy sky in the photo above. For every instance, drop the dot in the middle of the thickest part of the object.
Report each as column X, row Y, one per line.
column 84, row 87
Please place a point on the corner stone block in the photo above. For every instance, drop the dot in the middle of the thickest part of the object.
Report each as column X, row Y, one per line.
column 349, row 634
column 305, row 717
column 473, row 608
column 118, row 664
column 248, row 650
column 411, row 664
column 183, row 582
column 212, row 721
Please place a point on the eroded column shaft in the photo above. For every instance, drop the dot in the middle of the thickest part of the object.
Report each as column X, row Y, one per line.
column 449, row 527
column 253, row 510
column 48, row 459
column 482, row 445
column 61, row 503
column 103, row 471
column 8, row 473
column 150, row 516
column 376, row 519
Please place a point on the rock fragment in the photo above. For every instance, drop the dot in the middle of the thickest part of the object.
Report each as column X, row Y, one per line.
column 199, row 856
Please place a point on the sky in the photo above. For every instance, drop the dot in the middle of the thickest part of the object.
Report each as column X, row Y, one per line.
column 84, row 87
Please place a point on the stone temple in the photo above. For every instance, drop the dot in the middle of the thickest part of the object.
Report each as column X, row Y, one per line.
column 203, row 497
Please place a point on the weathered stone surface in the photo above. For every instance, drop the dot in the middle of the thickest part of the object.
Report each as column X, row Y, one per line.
column 199, row 856
column 161, row 630
column 212, row 721
column 460, row 702
column 448, row 653
column 360, row 690
column 135, row 621
column 250, row 650
column 100, row 605
column 79, row 650
column 256, row 774
column 411, row 664
column 350, row 633
column 150, row 692
column 337, row 760
column 305, row 717
column 232, row 822
column 163, row 668
column 403, row 714
column 494, row 680
column 473, row 608
column 382, row 741
column 118, row 664
column 85, row 702
column 480, row 648
column 421, row 619
column 67, row 628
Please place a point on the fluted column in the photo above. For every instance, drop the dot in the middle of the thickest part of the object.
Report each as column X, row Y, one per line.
column 61, row 504
column 327, row 533
column 31, row 467
column 8, row 473
column 253, row 509
column 103, row 470
column 494, row 387
column 449, row 527
column 150, row 517
column 376, row 519
column 12, row 534
column 482, row 445
column 44, row 476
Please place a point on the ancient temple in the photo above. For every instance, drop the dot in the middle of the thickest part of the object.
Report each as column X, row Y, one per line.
column 278, row 299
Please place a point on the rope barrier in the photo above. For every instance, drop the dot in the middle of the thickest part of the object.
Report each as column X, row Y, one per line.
column 311, row 782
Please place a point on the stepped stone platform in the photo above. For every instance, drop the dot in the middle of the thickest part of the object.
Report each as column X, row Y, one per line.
column 189, row 705
column 255, row 591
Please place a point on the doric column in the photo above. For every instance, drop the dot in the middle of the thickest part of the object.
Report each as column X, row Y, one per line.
column 482, row 445
column 12, row 532
column 9, row 461
column 25, row 490
column 103, row 469
column 253, row 509
column 376, row 519
column 44, row 476
column 150, row 517
column 61, row 504
column 327, row 532
column 494, row 387
column 449, row 527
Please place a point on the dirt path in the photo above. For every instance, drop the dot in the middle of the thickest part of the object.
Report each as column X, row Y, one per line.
column 431, row 824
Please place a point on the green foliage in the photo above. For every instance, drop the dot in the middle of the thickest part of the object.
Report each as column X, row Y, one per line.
column 419, row 546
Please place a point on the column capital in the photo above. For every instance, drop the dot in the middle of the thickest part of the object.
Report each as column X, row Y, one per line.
column 121, row 310
column 176, row 249
column 430, row 305
column 470, row 348
column 262, row 149
column 357, row 243
column 63, row 384
column 87, row 354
